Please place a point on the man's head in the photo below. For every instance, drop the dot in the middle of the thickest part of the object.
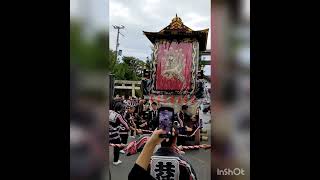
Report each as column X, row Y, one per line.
column 131, row 109
column 123, row 98
column 141, row 102
column 154, row 106
column 119, row 107
column 171, row 141
column 130, row 97
column 184, row 108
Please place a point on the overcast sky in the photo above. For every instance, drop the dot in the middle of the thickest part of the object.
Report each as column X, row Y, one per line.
column 152, row 15
column 142, row 15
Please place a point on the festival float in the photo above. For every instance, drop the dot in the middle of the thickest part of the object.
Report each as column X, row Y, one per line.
column 174, row 76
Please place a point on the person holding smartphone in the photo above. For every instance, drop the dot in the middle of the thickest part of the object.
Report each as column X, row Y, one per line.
column 141, row 168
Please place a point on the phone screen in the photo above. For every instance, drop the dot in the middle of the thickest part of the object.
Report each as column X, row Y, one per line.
column 165, row 120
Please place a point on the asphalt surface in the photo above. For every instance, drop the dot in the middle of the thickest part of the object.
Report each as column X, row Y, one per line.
column 199, row 159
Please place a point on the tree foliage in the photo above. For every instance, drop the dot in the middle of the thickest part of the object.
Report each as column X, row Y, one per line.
column 130, row 68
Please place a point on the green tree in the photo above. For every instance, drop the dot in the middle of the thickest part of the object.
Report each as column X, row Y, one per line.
column 135, row 65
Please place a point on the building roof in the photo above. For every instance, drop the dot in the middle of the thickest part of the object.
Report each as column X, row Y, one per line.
column 177, row 30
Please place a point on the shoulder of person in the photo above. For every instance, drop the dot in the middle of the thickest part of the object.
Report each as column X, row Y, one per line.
column 138, row 172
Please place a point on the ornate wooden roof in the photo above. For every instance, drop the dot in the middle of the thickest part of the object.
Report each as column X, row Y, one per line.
column 177, row 30
column 176, row 25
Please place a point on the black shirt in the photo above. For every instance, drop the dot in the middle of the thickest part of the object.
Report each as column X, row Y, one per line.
column 138, row 172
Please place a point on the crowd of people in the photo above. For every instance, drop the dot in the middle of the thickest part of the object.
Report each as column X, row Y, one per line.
column 132, row 117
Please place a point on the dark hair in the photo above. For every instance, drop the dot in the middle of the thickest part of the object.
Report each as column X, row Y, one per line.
column 184, row 107
column 113, row 104
column 118, row 106
column 154, row 103
column 164, row 143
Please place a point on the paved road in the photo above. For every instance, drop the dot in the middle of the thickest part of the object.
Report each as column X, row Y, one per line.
column 200, row 159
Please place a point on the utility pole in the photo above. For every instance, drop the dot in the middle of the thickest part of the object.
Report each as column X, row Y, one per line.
column 117, row 45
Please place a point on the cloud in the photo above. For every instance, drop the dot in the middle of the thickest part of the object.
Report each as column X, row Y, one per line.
column 152, row 15
column 197, row 21
column 118, row 11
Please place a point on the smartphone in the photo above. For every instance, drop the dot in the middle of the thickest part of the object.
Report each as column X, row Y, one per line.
column 166, row 117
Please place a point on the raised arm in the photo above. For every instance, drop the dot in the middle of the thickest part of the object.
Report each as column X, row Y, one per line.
column 145, row 156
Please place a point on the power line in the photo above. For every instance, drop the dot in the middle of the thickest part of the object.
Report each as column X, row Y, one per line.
column 121, row 34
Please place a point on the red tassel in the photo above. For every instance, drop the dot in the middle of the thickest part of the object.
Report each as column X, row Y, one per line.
column 172, row 99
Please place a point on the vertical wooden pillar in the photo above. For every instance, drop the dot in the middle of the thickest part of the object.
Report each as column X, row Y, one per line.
column 133, row 90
